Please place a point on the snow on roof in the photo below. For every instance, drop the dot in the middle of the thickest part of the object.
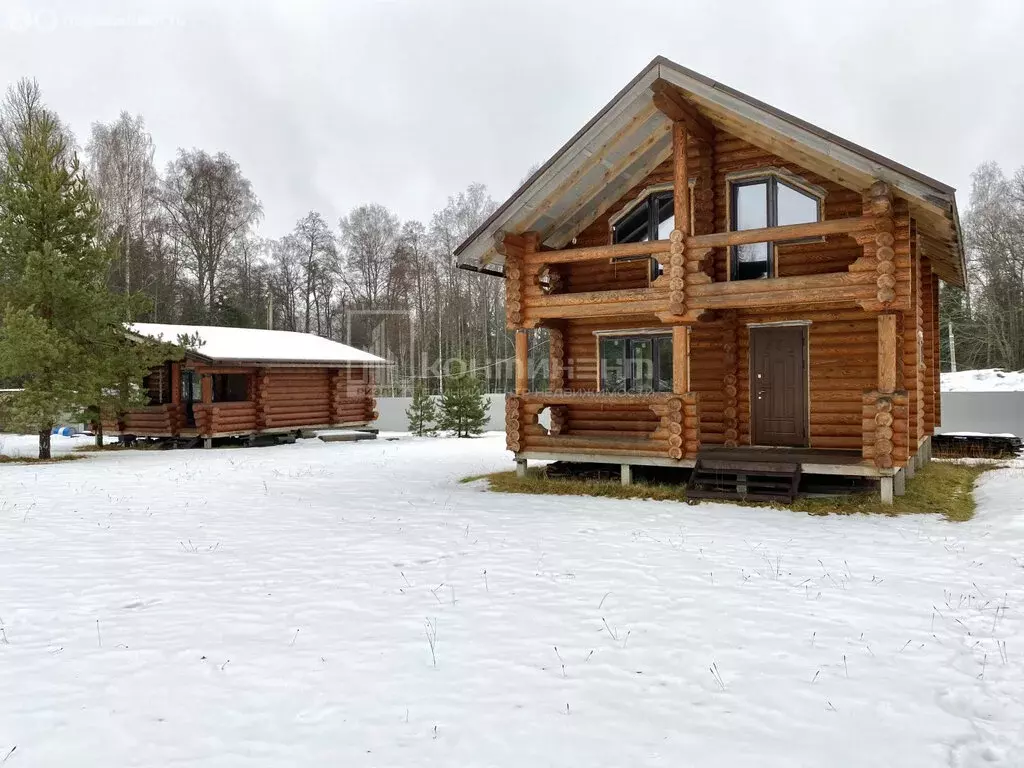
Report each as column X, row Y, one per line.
column 984, row 380
column 257, row 345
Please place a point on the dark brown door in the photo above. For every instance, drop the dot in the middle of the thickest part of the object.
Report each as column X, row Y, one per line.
column 778, row 385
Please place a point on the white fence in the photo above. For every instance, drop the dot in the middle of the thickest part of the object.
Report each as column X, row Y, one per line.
column 392, row 414
column 995, row 412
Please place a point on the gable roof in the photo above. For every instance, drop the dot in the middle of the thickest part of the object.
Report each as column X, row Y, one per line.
column 254, row 345
column 629, row 137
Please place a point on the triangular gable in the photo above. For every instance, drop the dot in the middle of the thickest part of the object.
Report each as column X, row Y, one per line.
column 631, row 136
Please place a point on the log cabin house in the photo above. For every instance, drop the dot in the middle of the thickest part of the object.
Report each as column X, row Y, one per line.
column 726, row 288
column 243, row 382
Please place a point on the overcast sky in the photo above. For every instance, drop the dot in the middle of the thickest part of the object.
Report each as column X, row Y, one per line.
column 327, row 105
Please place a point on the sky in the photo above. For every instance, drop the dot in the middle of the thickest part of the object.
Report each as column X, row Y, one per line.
column 328, row 105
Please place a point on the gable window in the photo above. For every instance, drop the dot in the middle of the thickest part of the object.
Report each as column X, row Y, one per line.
column 653, row 218
column 636, row 364
column 766, row 201
column 650, row 219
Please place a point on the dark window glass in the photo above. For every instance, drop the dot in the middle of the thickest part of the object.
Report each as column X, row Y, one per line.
column 651, row 219
column 766, row 203
column 230, row 387
column 636, row 363
column 613, row 364
column 191, row 390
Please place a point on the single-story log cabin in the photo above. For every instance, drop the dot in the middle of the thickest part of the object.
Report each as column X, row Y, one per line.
column 723, row 285
column 240, row 382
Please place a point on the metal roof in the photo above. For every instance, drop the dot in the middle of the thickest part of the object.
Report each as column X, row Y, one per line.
column 628, row 138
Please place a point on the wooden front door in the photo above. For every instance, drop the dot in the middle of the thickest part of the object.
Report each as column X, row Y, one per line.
column 778, row 385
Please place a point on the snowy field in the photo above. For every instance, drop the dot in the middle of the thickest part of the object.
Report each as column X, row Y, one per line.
column 353, row 605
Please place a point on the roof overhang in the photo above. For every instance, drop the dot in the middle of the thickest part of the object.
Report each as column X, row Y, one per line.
column 629, row 137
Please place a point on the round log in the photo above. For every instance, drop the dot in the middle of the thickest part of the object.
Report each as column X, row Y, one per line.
column 886, row 295
column 879, row 189
column 884, row 461
column 675, row 236
column 886, row 268
column 885, row 253
column 886, row 281
column 675, row 453
column 884, row 239
column 883, row 419
column 883, row 446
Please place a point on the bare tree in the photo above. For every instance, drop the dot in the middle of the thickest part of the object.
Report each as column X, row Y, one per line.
column 319, row 254
column 211, row 206
column 994, row 235
column 124, row 180
column 23, row 104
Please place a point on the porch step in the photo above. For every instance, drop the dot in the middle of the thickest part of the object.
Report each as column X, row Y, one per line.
column 733, row 480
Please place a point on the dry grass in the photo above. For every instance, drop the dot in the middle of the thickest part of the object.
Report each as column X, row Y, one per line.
column 36, row 460
column 940, row 488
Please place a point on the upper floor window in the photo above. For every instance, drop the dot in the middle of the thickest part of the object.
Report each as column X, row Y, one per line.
column 766, row 201
column 650, row 219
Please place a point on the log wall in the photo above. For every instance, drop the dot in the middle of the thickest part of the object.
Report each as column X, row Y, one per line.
column 280, row 398
column 844, row 401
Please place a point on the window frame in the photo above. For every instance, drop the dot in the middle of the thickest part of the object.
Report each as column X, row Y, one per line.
column 629, row 359
column 771, row 178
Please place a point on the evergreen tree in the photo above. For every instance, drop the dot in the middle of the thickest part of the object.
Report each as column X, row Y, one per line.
column 422, row 412
column 463, row 406
column 62, row 332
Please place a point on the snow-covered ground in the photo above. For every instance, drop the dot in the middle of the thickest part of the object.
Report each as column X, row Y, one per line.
column 985, row 380
column 353, row 605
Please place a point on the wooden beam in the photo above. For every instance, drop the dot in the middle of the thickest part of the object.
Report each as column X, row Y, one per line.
column 887, row 341
column 597, row 398
column 779, row 234
column 680, row 179
column 522, row 362
column 597, row 253
column 680, row 359
column 671, row 102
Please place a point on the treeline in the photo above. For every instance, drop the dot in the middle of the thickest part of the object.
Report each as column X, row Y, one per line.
column 988, row 318
column 187, row 237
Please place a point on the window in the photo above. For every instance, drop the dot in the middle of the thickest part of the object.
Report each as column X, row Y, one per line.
column 230, row 387
column 651, row 219
column 766, row 202
column 191, row 388
column 636, row 363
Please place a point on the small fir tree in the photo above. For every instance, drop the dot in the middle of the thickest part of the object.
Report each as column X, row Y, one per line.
column 463, row 406
column 62, row 331
column 422, row 412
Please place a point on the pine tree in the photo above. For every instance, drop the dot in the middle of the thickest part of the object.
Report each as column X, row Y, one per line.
column 62, row 332
column 422, row 412
column 463, row 406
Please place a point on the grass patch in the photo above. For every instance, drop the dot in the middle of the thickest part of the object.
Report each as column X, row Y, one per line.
column 36, row 460
column 940, row 488
column 944, row 488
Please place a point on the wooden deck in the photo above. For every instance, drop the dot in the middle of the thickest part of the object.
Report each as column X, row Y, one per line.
column 812, row 461
column 792, row 455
